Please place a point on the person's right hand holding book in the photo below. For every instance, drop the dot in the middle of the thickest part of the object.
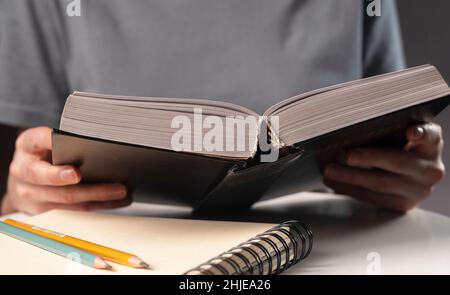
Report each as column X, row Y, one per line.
column 36, row 186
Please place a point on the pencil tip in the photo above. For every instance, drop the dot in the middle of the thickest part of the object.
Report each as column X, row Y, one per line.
column 100, row 263
column 137, row 262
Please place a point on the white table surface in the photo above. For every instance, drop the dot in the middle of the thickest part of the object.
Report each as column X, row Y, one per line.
column 349, row 237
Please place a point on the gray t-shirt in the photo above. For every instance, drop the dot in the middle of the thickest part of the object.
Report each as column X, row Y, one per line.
column 249, row 52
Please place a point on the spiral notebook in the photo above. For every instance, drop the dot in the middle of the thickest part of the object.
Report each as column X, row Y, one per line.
column 170, row 246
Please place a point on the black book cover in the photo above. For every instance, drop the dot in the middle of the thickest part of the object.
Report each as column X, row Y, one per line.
column 213, row 184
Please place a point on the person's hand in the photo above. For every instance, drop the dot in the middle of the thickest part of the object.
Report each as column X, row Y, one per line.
column 36, row 186
column 394, row 179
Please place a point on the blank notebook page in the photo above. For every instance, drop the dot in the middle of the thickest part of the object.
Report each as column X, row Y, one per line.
column 170, row 246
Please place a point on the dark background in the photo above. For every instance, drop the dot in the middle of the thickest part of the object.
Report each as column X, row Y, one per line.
column 426, row 36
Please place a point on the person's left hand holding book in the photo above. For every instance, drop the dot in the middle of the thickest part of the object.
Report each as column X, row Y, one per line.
column 36, row 186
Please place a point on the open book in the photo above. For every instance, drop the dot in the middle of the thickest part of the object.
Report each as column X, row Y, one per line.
column 199, row 152
column 170, row 246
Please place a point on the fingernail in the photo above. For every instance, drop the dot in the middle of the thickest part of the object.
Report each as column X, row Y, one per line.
column 331, row 171
column 126, row 201
column 119, row 191
column 418, row 132
column 353, row 156
column 110, row 204
column 120, row 203
column 68, row 174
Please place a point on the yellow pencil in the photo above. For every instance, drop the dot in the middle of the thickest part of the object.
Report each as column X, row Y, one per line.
column 102, row 251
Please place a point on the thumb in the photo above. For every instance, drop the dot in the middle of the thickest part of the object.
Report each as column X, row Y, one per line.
column 425, row 140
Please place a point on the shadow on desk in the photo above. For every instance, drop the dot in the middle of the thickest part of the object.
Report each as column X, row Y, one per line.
column 347, row 231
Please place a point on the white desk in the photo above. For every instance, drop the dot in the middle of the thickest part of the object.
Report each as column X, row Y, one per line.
column 349, row 237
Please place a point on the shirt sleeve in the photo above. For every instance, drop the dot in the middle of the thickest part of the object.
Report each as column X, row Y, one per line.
column 383, row 46
column 33, row 84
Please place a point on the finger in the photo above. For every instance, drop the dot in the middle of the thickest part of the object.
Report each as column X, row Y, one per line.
column 40, row 172
column 35, row 140
column 39, row 208
column 72, row 194
column 397, row 162
column 378, row 181
column 109, row 205
column 426, row 140
column 387, row 201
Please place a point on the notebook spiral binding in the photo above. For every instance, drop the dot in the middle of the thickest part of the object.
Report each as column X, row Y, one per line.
column 271, row 252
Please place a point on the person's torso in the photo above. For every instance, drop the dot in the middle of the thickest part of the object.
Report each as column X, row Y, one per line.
column 253, row 52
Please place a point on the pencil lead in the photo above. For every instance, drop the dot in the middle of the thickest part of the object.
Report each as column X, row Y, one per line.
column 144, row 265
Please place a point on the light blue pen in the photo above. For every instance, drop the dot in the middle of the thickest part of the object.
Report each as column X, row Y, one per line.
column 55, row 247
